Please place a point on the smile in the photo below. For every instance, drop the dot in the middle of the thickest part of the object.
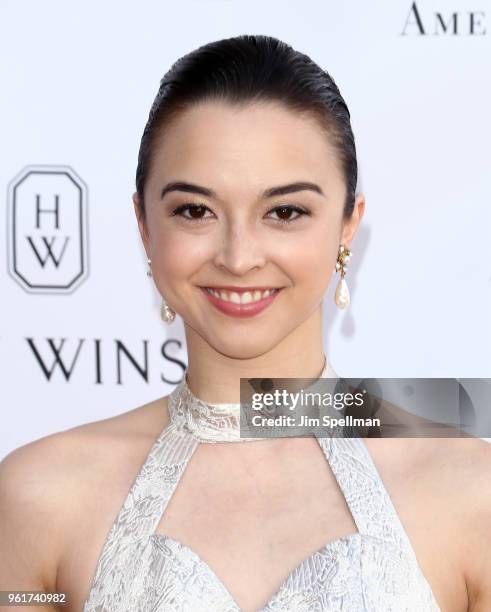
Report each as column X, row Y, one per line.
column 240, row 298
column 241, row 302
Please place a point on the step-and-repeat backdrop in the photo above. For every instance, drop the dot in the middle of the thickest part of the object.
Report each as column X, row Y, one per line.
column 80, row 333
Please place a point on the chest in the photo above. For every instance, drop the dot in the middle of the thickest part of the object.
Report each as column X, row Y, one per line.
column 253, row 529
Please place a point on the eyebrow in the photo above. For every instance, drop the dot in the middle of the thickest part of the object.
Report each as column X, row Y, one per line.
column 268, row 193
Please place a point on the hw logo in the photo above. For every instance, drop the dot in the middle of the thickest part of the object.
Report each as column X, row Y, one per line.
column 47, row 228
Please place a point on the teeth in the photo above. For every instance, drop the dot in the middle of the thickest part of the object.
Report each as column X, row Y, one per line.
column 241, row 298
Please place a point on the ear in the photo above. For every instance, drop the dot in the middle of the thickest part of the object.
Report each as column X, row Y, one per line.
column 351, row 225
column 142, row 225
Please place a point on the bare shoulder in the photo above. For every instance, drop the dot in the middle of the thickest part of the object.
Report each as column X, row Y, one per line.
column 457, row 468
column 442, row 490
column 452, row 477
column 37, row 463
column 47, row 484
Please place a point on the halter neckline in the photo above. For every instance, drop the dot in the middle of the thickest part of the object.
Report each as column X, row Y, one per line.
column 218, row 422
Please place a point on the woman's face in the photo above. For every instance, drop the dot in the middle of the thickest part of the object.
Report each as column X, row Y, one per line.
column 228, row 227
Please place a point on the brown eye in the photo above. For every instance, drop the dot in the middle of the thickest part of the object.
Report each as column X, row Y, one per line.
column 196, row 212
column 284, row 213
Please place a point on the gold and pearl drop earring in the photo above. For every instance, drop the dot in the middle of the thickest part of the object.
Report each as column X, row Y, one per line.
column 342, row 296
column 166, row 313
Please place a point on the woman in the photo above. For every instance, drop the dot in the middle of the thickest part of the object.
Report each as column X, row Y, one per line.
column 246, row 204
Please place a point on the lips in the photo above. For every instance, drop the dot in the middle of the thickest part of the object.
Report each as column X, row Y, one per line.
column 235, row 309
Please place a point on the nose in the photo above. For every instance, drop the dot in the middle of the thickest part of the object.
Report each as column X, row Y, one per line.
column 239, row 249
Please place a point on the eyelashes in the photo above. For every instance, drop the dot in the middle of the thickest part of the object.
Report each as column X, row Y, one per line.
column 198, row 209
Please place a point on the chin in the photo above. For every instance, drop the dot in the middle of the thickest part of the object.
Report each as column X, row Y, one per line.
column 242, row 346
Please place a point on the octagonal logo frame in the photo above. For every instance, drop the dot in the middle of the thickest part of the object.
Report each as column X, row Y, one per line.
column 47, row 229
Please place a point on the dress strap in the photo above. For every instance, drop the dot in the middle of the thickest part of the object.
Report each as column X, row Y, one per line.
column 366, row 496
column 141, row 511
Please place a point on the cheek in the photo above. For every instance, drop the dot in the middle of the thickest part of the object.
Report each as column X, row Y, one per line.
column 179, row 254
column 308, row 258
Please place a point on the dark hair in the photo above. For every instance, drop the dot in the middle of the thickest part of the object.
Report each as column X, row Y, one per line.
column 246, row 69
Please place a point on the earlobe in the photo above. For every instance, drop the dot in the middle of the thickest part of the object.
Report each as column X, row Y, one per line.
column 360, row 205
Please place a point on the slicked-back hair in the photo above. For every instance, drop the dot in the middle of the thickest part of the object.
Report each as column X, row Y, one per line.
column 245, row 69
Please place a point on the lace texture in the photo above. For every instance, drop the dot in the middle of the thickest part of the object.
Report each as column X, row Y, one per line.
column 373, row 570
column 213, row 423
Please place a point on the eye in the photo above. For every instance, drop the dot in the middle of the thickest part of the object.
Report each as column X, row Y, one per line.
column 284, row 213
column 195, row 211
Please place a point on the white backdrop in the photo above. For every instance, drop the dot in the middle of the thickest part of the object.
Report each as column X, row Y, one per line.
column 78, row 79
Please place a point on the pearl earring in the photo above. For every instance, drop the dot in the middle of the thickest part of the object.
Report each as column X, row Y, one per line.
column 342, row 297
column 166, row 313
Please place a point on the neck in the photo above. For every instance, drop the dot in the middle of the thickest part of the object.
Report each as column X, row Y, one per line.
column 214, row 422
column 214, row 376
